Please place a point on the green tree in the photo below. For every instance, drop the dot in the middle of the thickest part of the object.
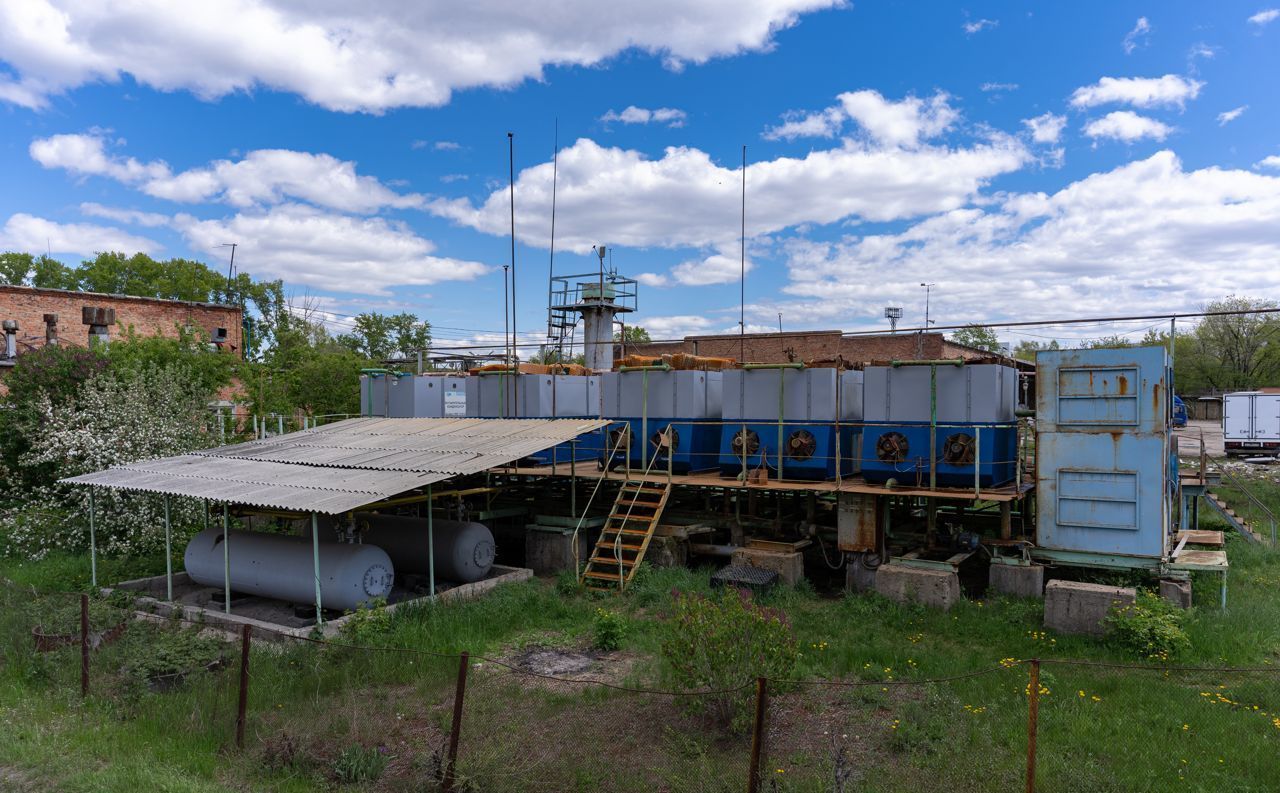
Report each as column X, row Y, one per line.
column 380, row 337
column 635, row 334
column 1027, row 348
column 1113, row 342
column 210, row 370
column 49, row 273
column 978, row 336
column 15, row 267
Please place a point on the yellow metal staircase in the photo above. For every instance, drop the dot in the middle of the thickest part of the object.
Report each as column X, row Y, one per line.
column 626, row 535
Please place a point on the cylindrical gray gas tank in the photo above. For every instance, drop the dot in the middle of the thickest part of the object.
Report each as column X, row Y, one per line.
column 281, row 567
column 464, row 551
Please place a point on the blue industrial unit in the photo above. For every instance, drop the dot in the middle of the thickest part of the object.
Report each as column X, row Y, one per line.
column 1106, row 471
column 652, row 405
column 544, row 396
column 975, row 431
column 807, row 413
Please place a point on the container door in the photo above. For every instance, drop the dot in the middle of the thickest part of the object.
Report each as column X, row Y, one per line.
column 1102, row 493
column 1237, row 412
column 1266, row 418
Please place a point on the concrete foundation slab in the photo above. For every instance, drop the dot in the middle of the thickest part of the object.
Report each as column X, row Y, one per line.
column 1024, row 581
column 932, row 587
column 1176, row 592
column 788, row 566
column 1077, row 607
column 857, row 576
column 548, row 551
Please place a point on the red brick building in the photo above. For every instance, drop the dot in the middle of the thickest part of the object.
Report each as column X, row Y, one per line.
column 71, row 316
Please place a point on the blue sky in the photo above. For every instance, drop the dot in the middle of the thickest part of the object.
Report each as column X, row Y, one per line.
column 1032, row 159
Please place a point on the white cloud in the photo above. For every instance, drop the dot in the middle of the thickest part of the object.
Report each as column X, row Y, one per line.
column 23, row 232
column 439, row 145
column 718, row 268
column 1046, row 128
column 1228, row 116
column 684, row 199
column 310, row 247
column 133, row 217
column 265, row 176
column 1140, row 36
column 822, row 124
column 1127, row 126
column 979, row 25
column 1265, row 17
column 675, row 327
column 372, row 56
column 653, row 279
column 989, row 87
column 1147, row 236
column 1170, row 89
column 1271, row 161
column 642, row 115
column 904, row 123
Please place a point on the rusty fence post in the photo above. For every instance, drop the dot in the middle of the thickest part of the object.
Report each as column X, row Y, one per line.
column 1033, row 722
column 757, row 734
column 84, row 646
column 455, row 730
column 243, row 705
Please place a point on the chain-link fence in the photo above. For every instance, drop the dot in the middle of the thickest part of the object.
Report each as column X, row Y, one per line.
column 553, row 720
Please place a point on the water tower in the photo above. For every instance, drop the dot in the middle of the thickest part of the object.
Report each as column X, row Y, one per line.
column 595, row 299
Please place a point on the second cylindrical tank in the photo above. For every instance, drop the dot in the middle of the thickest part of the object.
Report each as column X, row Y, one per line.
column 464, row 551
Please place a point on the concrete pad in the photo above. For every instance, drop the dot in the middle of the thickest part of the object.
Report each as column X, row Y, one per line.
column 1176, row 592
column 857, row 576
column 550, row 551
column 788, row 566
column 930, row 587
column 1077, row 607
column 1024, row 581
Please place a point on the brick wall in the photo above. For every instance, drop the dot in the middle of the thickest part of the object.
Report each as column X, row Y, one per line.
column 148, row 316
column 813, row 345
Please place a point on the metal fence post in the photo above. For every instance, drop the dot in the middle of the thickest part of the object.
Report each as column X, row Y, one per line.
column 243, row 704
column 757, row 734
column 456, row 730
column 84, row 646
column 1033, row 719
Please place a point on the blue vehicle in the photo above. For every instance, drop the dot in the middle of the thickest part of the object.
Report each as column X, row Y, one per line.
column 1179, row 412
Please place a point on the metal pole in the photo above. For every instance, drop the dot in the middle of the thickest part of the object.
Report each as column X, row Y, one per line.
column 431, row 542
column 168, row 550
column 977, row 461
column 933, row 426
column 757, row 734
column 93, row 544
column 315, row 564
column 1033, row 718
column 511, row 165
column 280, row 424
column 243, row 705
column 226, row 559
column 455, row 730
column 84, row 646
column 573, row 476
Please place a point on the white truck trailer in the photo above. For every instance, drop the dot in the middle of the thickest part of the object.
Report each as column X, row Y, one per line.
column 1251, row 422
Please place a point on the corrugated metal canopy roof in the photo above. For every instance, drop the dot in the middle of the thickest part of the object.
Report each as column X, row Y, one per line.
column 343, row 466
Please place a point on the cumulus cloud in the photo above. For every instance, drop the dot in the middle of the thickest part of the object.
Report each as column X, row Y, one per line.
column 1206, row 233
column 439, row 145
column 685, row 199
column 1127, row 126
column 1046, row 128
column 1228, row 116
column 979, row 25
column 372, row 56
column 1169, row 90
column 641, row 115
column 1265, row 17
column 305, row 245
column 23, row 232
column 718, row 268
column 1140, row 36
column 902, row 123
column 822, row 124
column 1271, row 161
column 265, row 176
column 132, row 217
column 674, row 327
column 999, row 87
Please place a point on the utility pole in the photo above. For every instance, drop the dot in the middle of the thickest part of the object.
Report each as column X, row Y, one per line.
column 231, row 267
column 927, row 289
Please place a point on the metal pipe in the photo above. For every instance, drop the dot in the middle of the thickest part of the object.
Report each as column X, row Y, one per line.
column 930, row 362
column 933, row 426
column 789, row 365
column 431, row 543
column 315, row 564
column 711, row 549
column 1026, row 413
column 168, row 551
column 658, row 367
column 226, row 560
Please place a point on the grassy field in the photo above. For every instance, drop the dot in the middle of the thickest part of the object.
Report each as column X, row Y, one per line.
column 321, row 715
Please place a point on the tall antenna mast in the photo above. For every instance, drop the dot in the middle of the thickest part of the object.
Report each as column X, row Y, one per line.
column 551, row 266
column 511, row 166
column 742, row 268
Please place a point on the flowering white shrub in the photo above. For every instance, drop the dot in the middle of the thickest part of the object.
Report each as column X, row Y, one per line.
column 114, row 418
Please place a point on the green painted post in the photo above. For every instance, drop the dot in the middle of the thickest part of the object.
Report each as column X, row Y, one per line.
column 431, row 543
column 226, row 560
column 168, row 550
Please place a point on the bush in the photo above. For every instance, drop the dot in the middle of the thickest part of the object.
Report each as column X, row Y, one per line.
column 1151, row 628
column 608, row 630
column 356, row 764
column 368, row 625
column 721, row 644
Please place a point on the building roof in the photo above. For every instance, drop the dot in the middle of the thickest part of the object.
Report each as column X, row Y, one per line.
column 76, row 293
column 342, row 466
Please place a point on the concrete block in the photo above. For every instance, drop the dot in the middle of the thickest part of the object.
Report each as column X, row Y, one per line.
column 547, row 552
column 858, row 577
column 1076, row 607
column 1176, row 592
column 930, row 587
column 1017, row 580
column 667, row 552
column 788, row 565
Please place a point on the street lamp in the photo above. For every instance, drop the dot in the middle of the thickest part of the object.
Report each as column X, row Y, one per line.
column 927, row 289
